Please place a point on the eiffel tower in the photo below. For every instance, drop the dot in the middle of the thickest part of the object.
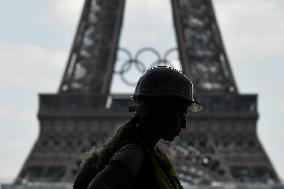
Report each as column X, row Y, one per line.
column 220, row 144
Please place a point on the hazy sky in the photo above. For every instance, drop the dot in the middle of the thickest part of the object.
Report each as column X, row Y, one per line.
column 36, row 36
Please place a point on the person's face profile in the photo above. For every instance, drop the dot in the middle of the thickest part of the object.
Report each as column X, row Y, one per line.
column 173, row 118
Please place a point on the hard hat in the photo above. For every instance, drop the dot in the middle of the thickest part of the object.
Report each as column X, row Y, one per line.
column 166, row 81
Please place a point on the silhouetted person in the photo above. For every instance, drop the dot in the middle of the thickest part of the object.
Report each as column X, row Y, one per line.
column 131, row 159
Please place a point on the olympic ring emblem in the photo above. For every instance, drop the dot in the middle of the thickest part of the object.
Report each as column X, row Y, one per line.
column 136, row 62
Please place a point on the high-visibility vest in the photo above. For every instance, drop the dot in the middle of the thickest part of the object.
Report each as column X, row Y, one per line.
column 165, row 174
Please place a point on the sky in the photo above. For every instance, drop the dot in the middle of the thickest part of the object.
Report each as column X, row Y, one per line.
column 36, row 37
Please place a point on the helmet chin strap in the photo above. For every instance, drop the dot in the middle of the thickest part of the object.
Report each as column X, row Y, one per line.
column 132, row 106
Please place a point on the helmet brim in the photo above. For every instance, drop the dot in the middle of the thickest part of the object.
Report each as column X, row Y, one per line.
column 195, row 107
column 192, row 107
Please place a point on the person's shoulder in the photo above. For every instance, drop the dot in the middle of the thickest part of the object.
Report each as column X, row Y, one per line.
column 128, row 152
column 131, row 156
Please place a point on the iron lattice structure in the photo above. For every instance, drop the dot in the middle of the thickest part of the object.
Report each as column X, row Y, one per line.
column 201, row 48
column 92, row 57
column 220, row 144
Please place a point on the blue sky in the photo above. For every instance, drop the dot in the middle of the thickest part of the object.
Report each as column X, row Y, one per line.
column 36, row 36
